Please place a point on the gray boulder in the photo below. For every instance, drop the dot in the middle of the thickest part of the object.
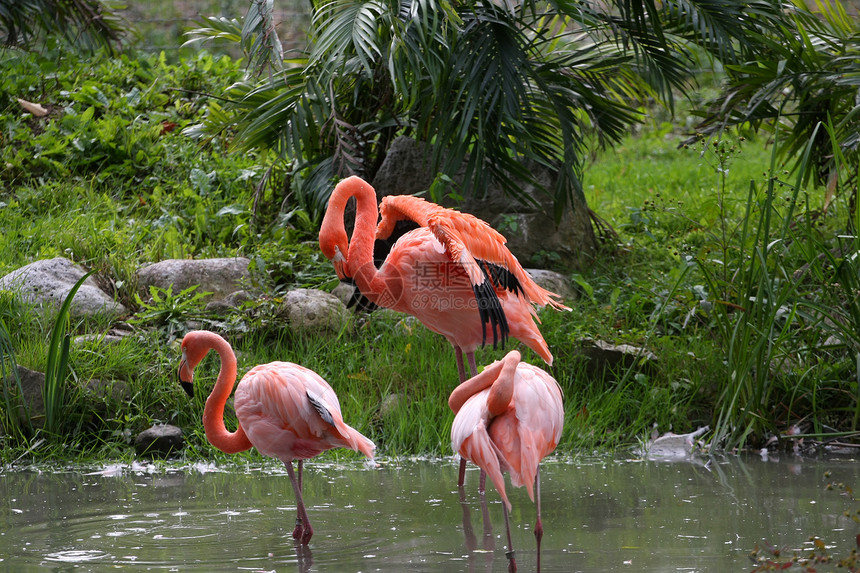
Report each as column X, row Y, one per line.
column 221, row 276
column 553, row 282
column 48, row 282
column 100, row 397
column 314, row 310
column 604, row 357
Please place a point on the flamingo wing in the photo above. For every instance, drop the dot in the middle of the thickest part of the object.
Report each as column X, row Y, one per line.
column 470, row 242
column 534, row 429
column 289, row 411
column 470, row 438
column 461, row 235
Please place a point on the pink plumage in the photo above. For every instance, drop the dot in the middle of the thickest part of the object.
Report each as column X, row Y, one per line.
column 285, row 410
column 273, row 403
column 507, row 419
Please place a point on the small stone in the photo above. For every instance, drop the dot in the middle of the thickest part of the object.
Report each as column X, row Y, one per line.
column 160, row 440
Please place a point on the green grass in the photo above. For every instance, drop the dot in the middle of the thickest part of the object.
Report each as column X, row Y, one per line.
column 132, row 193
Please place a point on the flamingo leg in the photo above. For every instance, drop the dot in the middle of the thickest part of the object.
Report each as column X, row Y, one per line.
column 303, row 528
column 473, row 367
column 510, row 554
column 461, row 370
column 538, row 524
column 489, row 540
column 461, row 478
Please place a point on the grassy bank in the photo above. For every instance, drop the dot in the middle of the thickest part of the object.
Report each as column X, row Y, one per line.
column 721, row 266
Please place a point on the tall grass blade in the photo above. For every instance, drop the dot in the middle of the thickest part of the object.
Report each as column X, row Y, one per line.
column 58, row 360
column 756, row 313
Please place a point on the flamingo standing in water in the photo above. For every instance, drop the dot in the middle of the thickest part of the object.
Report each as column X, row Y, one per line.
column 452, row 270
column 286, row 411
column 507, row 419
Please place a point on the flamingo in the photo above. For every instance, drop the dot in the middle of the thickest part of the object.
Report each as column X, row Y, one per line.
column 507, row 419
column 286, row 411
column 452, row 271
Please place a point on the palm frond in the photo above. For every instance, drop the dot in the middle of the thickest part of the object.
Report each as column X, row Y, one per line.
column 805, row 75
column 87, row 24
column 348, row 27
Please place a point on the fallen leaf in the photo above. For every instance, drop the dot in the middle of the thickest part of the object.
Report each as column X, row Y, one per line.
column 33, row 108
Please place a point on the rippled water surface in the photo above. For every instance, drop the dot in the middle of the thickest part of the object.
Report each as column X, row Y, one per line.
column 599, row 515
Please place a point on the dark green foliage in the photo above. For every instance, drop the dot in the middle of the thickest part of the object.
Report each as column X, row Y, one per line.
column 489, row 85
column 86, row 24
column 804, row 75
column 741, row 282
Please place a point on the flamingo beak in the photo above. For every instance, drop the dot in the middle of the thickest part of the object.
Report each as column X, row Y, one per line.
column 188, row 387
column 339, row 262
column 186, row 375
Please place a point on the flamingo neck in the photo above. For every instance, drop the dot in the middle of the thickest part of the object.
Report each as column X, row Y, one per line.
column 213, row 413
column 499, row 377
column 360, row 258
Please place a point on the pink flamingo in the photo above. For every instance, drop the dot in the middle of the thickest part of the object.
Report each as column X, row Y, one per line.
column 507, row 419
column 453, row 272
column 286, row 411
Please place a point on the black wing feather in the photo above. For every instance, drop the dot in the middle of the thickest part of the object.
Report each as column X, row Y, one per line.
column 320, row 408
column 357, row 298
column 490, row 309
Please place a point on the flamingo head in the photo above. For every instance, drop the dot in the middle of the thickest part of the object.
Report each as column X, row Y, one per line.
column 193, row 351
column 334, row 244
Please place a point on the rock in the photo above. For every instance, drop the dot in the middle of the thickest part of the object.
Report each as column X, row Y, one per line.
column 32, row 385
column 113, row 336
column 160, row 440
column 231, row 301
column 553, row 282
column 314, row 310
column 48, row 282
column 532, row 233
column 604, row 357
column 102, row 392
column 344, row 292
column 98, row 395
column 96, row 339
column 220, row 277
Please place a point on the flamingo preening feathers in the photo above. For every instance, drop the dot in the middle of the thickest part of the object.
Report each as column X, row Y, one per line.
column 507, row 419
column 452, row 271
column 286, row 411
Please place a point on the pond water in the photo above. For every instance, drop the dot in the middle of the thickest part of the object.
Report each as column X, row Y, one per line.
column 599, row 515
